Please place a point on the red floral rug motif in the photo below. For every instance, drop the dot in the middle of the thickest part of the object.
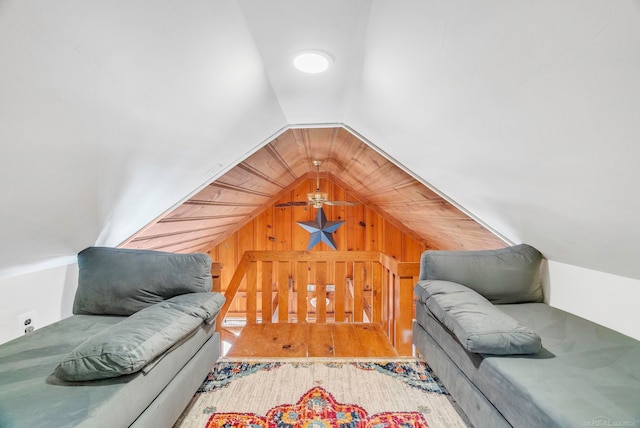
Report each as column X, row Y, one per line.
column 318, row 409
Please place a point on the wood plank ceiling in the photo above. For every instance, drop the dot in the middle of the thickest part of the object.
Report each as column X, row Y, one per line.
column 258, row 182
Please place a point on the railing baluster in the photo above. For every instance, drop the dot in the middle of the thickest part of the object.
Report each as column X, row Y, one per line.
column 358, row 291
column 321, row 292
column 252, row 291
column 302, row 280
column 338, row 299
column 331, row 292
column 367, row 294
column 388, row 304
column 283, row 291
column 377, row 295
column 267, row 283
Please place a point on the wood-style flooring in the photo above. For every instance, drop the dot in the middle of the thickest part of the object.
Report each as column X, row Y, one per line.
column 302, row 340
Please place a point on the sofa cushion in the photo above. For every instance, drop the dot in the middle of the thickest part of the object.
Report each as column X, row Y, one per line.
column 507, row 275
column 477, row 323
column 116, row 281
column 585, row 375
column 202, row 305
column 142, row 338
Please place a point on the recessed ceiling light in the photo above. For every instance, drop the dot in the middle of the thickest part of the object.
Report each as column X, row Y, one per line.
column 312, row 62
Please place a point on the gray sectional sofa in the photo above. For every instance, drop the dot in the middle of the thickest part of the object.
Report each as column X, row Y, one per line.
column 141, row 341
column 509, row 359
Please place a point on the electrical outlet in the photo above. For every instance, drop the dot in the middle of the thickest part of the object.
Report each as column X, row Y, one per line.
column 27, row 322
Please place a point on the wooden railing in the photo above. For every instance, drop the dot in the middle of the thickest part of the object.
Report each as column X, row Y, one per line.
column 336, row 286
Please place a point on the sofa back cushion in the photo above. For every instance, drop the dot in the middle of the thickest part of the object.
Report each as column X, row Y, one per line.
column 507, row 275
column 116, row 281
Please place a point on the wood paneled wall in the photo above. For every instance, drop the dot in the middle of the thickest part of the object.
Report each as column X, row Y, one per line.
column 275, row 229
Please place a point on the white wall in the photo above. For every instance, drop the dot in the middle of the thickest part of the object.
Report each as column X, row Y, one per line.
column 47, row 292
column 520, row 112
column 606, row 299
column 113, row 112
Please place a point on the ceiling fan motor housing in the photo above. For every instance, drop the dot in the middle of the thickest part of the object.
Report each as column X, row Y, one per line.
column 317, row 198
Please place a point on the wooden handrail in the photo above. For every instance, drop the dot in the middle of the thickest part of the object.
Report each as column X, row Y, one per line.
column 311, row 256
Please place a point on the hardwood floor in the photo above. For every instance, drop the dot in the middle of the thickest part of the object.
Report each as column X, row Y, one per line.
column 301, row 340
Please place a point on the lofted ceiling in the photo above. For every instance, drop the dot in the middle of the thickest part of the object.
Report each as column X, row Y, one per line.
column 525, row 114
column 224, row 206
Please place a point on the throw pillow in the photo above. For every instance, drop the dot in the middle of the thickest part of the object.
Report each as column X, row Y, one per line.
column 478, row 325
column 130, row 345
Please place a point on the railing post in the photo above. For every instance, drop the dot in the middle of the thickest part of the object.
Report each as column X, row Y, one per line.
column 216, row 267
column 404, row 304
column 403, row 312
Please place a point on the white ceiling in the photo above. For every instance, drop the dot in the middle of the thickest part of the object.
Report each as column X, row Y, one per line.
column 527, row 114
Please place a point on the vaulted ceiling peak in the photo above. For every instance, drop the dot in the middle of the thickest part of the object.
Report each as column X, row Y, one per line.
column 259, row 181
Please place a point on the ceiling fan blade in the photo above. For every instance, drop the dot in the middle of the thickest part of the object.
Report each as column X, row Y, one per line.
column 344, row 203
column 292, row 204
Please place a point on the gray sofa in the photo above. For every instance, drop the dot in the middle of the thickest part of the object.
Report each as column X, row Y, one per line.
column 510, row 360
column 141, row 341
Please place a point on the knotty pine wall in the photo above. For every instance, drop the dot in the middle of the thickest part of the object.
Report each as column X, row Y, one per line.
column 275, row 229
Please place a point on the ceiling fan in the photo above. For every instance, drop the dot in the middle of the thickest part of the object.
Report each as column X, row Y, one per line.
column 316, row 199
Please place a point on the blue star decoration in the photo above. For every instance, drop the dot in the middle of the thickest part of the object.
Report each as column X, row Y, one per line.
column 321, row 230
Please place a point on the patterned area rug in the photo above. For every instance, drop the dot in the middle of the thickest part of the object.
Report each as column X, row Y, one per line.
column 320, row 393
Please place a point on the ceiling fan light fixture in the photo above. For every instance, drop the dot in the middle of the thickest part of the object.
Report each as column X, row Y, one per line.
column 317, row 198
column 312, row 62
